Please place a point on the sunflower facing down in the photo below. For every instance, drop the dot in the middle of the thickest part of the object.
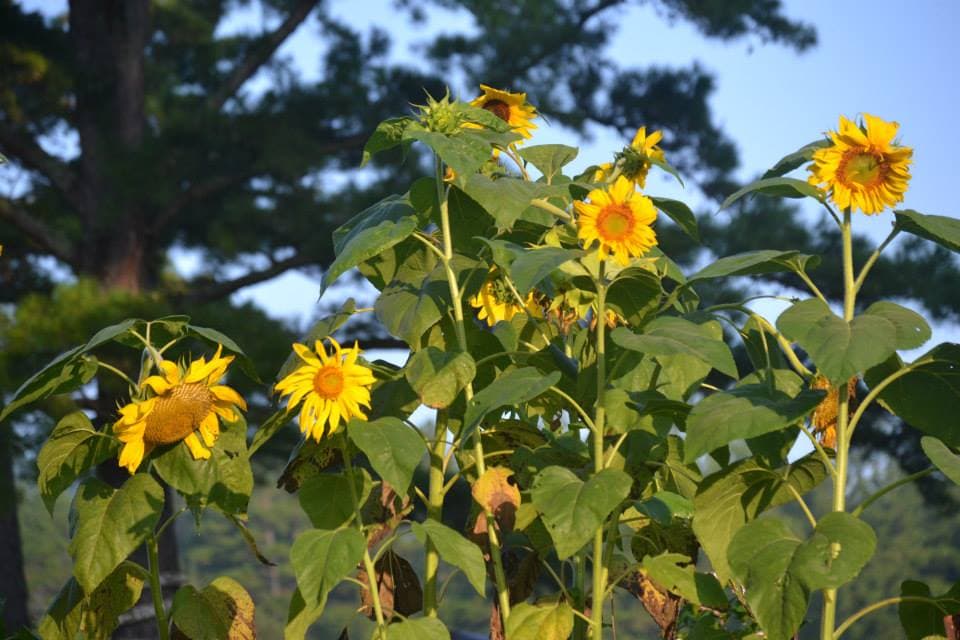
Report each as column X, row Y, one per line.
column 636, row 159
column 333, row 388
column 496, row 302
column 512, row 108
column 863, row 169
column 187, row 405
column 619, row 219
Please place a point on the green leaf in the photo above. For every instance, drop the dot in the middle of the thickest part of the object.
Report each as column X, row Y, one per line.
column 794, row 160
column 387, row 135
column 677, row 574
column 214, row 337
column 107, row 525
column 924, row 395
column 663, row 165
column 943, row 230
column 510, row 388
column 222, row 610
column 755, row 263
column 942, row 457
column 744, row 412
column 540, row 621
column 463, row 152
column 322, row 558
column 418, row 629
column 321, row 329
column 269, row 428
column 840, row 349
column 455, row 549
column 97, row 614
column 531, row 266
column 438, row 377
column 778, row 187
column 71, row 449
column 328, row 500
column 507, row 198
column 727, row 500
column 924, row 620
column 912, row 330
column 191, row 614
column 370, row 233
column 67, row 372
column 393, row 449
column 664, row 506
column 671, row 336
column 225, row 480
column 779, row 570
column 572, row 509
column 681, row 214
column 549, row 159
column 301, row 615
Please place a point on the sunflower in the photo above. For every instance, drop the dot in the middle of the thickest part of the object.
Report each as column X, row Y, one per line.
column 619, row 219
column 496, row 302
column 824, row 418
column 863, row 168
column 635, row 160
column 333, row 387
column 512, row 108
column 186, row 405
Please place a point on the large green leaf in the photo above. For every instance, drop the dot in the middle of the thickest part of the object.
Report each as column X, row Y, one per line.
column 925, row 620
column 943, row 230
column 369, row 233
column 912, row 330
column 97, row 614
column 108, row 524
column 510, row 388
column 322, row 558
column 455, row 549
column 681, row 214
column 676, row 573
column 926, row 394
column 67, row 372
column 71, row 449
column 778, row 187
column 728, row 499
column 744, row 412
column 387, row 135
column 756, row 263
column 328, row 501
column 531, row 266
column 463, row 151
column 301, row 615
column 840, row 349
column 572, row 509
column 438, row 376
column 393, row 448
column 942, row 457
column 418, row 629
column 779, row 570
column 223, row 610
column 671, row 336
column 224, row 480
column 794, row 160
column 507, row 198
column 549, row 159
column 540, row 621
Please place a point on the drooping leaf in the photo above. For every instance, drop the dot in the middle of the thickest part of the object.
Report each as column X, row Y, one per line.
column 549, row 159
column 67, row 372
column 108, row 524
column 328, row 500
column 321, row 558
column 572, row 509
column 507, row 198
column 510, row 388
column 777, row 187
column 464, row 152
column 393, row 448
column 756, row 263
column 387, row 135
column 71, row 449
column 681, row 214
column 670, row 336
column 676, row 573
column 531, row 266
column 438, row 376
column 925, row 620
column 912, row 330
column 942, row 457
column 943, row 230
column 455, row 549
column 794, row 160
column 221, row 610
column 540, row 621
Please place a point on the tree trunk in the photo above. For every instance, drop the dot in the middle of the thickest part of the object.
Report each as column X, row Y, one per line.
column 13, row 583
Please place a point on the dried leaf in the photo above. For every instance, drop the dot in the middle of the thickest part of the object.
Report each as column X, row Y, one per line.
column 497, row 492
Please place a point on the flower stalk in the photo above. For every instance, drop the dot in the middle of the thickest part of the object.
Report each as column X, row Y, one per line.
column 156, row 592
column 599, row 566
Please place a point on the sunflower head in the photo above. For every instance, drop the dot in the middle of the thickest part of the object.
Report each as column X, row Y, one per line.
column 332, row 387
column 824, row 419
column 497, row 302
column 635, row 161
column 512, row 108
column 185, row 404
column 863, row 169
column 440, row 115
column 618, row 219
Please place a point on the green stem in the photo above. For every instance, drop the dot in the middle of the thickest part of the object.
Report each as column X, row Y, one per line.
column 890, row 487
column 118, row 372
column 503, row 593
column 810, row 284
column 435, row 494
column 580, row 587
column 873, row 258
column 599, row 571
column 843, row 421
column 540, row 203
column 153, row 564
column 879, row 605
column 372, row 584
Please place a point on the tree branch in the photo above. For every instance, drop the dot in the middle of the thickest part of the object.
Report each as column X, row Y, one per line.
column 192, row 194
column 218, row 290
column 42, row 236
column 261, row 52
column 24, row 148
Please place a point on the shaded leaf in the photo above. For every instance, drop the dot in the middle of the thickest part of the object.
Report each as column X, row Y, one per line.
column 321, row 559
column 778, row 187
column 71, row 449
column 393, row 448
column 439, row 376
column 454, row 549
column 942, row 457
column 549, row 159
column 540, row 621
column 755, row 263
column 670, row 336
column 510, row 388
column 681, row 214
column 943, row 230
column 794, row 160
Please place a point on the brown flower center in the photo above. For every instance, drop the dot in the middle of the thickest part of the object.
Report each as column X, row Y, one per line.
column 498, row 108
column 328, row 382
column 615, row 222
column 862, row 168
column 178, row 413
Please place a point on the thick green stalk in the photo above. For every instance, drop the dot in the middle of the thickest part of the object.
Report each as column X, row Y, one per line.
column 435, row 494
column 156, row 592
column 373, row 586
column 843, row 421
column 500, row 579
column 599, row 567
column 580, row 588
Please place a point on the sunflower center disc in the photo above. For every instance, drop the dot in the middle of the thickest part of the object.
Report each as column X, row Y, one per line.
column 178, row 413
column 328, row 382
column 861, row 168
column 498, row 108
column 615, row 222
